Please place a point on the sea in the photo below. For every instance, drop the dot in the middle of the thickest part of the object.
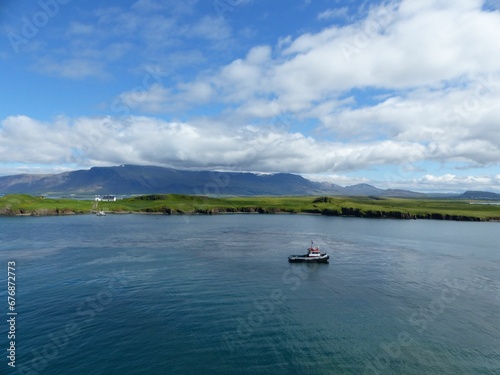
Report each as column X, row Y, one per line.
column 157, row 294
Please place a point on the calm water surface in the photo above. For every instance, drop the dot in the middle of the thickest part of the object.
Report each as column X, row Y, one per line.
column 137, row 294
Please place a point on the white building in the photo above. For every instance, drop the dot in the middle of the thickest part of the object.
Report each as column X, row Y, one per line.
column 105, row 198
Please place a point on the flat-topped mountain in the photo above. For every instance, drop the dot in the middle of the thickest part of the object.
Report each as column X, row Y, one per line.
column 135, row 179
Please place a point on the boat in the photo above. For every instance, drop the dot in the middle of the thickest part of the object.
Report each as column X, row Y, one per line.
column 314, row 255
column 100, row 213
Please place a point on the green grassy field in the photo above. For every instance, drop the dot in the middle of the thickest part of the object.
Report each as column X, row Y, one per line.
column 404, row 208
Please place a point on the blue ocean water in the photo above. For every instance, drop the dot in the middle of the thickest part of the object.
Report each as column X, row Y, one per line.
column 154, row 294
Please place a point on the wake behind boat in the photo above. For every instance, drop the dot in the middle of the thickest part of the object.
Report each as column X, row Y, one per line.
column 314, row 255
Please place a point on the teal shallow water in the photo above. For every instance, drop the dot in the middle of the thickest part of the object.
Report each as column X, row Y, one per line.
column 136, row 294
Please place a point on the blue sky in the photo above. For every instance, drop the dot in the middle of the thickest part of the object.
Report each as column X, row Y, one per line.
column 400, row 94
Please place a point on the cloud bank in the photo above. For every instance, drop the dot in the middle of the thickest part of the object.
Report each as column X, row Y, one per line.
column 412, row 82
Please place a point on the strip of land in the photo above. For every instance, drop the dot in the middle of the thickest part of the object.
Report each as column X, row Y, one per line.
column 171, row 204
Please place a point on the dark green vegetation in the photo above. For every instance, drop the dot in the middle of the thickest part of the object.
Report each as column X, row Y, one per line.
column 373, row 207
column 22, row 204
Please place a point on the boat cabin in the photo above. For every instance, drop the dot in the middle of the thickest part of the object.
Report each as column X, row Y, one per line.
column 313, row 251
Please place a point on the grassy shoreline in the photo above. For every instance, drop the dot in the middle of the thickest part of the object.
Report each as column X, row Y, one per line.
column 171, row 204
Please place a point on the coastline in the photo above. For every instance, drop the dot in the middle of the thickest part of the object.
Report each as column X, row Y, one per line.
column 383, row 215
column 174, row 204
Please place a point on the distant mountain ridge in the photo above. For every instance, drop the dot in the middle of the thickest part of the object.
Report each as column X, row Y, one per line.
column 482, row 195
column 134, row 179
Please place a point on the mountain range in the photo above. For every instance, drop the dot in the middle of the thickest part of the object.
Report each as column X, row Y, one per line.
column 134, row 179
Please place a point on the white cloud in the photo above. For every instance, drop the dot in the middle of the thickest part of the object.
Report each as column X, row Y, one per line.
column 412, row 81
column 449, row 183
column 413, row 46
column 244, row 79
column 151, row 99
column 157, row 31
column 212, row 28
column 453, row 122
column 85, row 142
column 333, row 13
column 77, row 68
column 156, row 98
column 436, row 63
column 37, row 142
column 79, row 28
column 337, row 179
column 393, row 49
column 144, row 140
column 426, row 183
